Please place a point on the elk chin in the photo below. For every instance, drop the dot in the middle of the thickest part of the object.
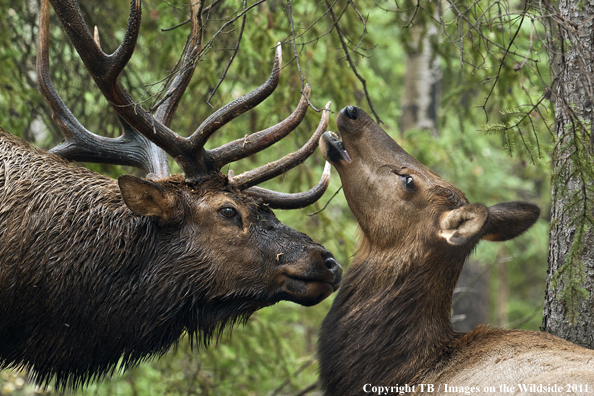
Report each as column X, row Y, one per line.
column 305, row 292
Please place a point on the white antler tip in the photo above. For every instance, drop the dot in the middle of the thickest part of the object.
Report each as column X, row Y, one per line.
column 96, row 36
column 307, row 90
column 327, row 172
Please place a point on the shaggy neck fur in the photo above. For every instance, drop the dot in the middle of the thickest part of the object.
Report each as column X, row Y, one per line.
column 390, row 321
column 84, row 282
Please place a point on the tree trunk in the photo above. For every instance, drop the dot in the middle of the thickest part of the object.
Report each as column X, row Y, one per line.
column 569, row 300
column 501, row 302
column 471, row 297
column 422, row 83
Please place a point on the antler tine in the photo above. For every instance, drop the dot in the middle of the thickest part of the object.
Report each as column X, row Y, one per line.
column 278, row 200
column 189, row 153
column 258, row 141
column 180, row 82
column 238, row 106
column 105, row 70
column 273, row 169
column 80, row 144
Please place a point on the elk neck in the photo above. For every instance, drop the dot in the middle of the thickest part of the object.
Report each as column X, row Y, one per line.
column 90, row 269
column 393, row 309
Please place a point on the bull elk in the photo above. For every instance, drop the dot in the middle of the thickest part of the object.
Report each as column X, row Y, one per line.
column 98, row 274
column 389, row 325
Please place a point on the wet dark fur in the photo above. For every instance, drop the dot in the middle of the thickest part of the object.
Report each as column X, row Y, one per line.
column 85, row 282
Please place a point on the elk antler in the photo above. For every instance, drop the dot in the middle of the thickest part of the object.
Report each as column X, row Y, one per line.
column 141, row 128
column 273, row 169
column 181, row 80
column 278, row 200
column 258, row 141
column 80, row 144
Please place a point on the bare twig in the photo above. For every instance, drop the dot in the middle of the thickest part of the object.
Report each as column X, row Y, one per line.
column 332, row 26
column 307, row 389
column 326, row 205
column 296, row 54
column 235, row 50
column 414, row 15
column 364, row 22
column 176, row 26
column 296, row 373
column 205, row 10
column 350, row 61
column 484, row 106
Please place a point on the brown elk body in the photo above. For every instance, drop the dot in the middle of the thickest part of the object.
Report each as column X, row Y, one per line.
column 98, row 274
column 390, row 322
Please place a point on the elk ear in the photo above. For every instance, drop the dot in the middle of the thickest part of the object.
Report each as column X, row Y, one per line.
column 146, row 198
column 461, row 225
column 507, row 220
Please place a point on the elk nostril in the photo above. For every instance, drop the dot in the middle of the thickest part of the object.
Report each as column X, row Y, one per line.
column 351, row 112
column 332, row 265
column 330, row 262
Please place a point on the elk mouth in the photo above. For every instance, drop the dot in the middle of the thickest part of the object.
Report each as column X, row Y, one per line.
column 299, row 279
column 332, row 148
column 330, row 275
column 305, row 291
column 308, row 285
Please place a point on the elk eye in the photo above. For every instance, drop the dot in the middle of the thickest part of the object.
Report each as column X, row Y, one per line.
column 408, row 181
column 228, row 212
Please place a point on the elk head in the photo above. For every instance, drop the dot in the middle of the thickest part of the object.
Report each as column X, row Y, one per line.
column 402, row 205
column 227, row 216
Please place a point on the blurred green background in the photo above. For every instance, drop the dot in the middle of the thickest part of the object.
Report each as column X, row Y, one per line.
column 274, row 354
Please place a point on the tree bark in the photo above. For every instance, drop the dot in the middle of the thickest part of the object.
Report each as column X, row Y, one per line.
column 501, row 302
column 569, row 300
column 422, row 83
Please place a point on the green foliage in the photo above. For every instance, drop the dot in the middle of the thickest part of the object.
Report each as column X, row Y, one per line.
column 516, row 139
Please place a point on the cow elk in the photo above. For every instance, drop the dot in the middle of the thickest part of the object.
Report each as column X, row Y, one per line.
column 97, row 274
column 389, row 325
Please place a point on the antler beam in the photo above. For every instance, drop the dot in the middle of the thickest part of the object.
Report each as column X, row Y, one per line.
column 141, row 128
column 181, row 80
column 105, row 70
column 80, row 144
column 273, row 169
column 278, row 200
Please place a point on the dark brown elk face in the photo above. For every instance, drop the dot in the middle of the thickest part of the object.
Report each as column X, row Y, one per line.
column 250, row 253
column 398, row 202
column 97, row 276
column 227, row 218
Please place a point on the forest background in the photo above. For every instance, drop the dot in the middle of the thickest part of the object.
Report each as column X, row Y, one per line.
column 487, row 129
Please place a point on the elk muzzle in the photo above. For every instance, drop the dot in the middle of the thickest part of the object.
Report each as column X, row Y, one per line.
column 310, row 279
column 378, row 176
column 362, row 141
